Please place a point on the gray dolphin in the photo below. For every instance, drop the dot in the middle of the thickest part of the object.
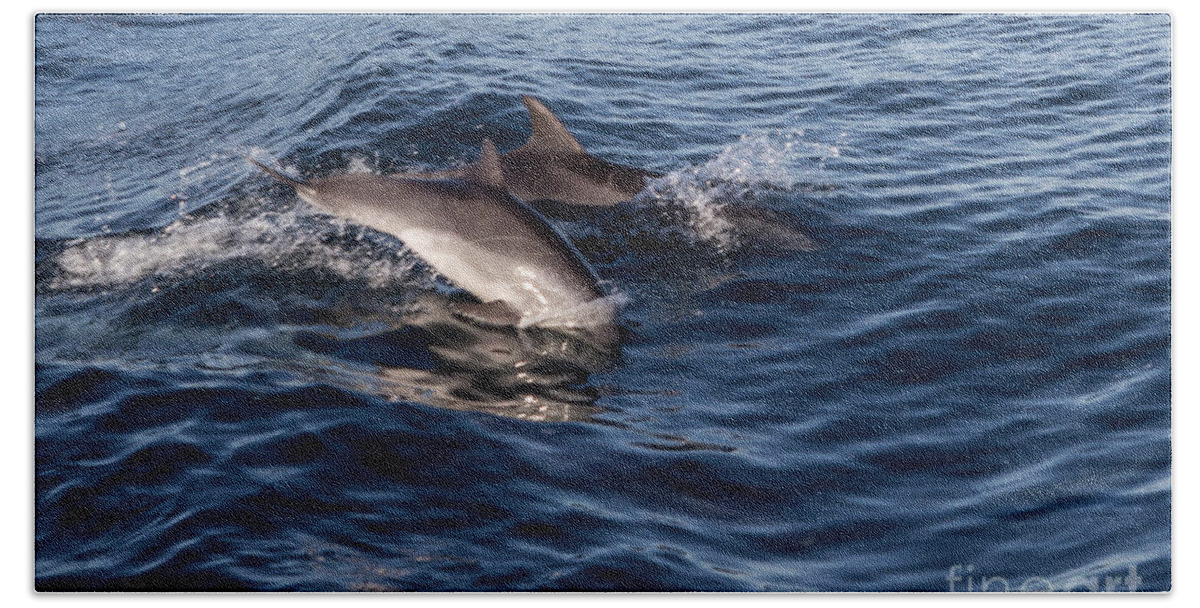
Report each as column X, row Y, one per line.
column 474, row 233
column 552, row 165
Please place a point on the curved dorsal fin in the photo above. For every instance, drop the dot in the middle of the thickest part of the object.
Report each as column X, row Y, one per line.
column 486, row 170
column 548, row 131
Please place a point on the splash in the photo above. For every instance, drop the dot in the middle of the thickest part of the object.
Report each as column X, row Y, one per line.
column 287, row 240
column 772, row 161
column 362, row 164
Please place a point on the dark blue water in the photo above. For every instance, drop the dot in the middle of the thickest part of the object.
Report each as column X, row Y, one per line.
column 897, row 318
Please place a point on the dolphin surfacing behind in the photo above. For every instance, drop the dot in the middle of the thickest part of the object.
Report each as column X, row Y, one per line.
column 474, row 233
column 553, row 166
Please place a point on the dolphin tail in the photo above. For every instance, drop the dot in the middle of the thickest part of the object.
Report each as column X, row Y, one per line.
column 287, row 179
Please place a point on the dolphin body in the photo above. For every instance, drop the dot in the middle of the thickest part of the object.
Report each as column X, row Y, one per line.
column 473, row 232
column 553, row 166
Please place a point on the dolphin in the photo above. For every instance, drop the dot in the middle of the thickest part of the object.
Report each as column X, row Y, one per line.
column 473, row 232
column 553, row 166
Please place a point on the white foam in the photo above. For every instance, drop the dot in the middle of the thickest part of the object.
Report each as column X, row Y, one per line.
column 362, row 164
column 282, row 239
column 781, row 160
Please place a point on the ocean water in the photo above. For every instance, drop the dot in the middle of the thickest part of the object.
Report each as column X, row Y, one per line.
column 897, row 317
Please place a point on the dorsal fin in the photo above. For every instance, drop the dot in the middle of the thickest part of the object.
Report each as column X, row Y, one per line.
column 548, row 131
column 486, row 170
